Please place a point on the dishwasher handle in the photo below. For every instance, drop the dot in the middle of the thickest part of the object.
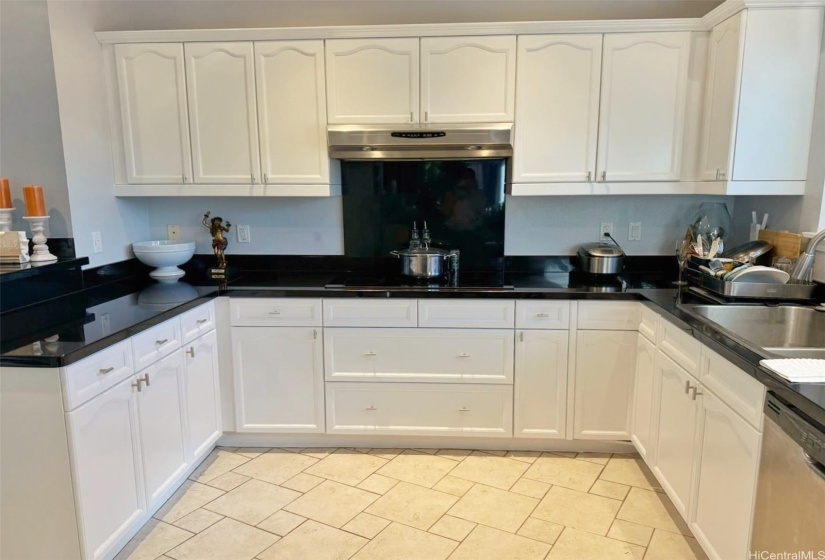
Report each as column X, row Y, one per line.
column 816, row 466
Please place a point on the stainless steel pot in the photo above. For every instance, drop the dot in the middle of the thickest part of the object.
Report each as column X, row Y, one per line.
column 423, row 263
column 601, row 258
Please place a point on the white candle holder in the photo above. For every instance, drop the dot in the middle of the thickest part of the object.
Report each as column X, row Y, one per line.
column 5, row 219
column 40, row 253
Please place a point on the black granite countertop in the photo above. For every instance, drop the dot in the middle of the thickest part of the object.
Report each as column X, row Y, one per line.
column 92, row 320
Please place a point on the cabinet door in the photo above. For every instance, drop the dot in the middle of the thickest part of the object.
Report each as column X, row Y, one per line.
column 292, row 113
column 203, row 402
column 605, row 367
column 152, row 88
column 721, row 96
column 540, row 390
column 372, row 81
column 557, row 89
column 675, row 449
column 644, row 399
column 279, row 379
column 726, row 491
column 103, row 436
column 468, row 79
column 644, row 88
column 220, row 80
column 161, row 424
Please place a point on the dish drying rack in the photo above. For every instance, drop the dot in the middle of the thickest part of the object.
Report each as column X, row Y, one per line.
column 704, row 284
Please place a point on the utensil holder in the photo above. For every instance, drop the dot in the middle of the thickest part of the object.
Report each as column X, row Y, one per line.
column 40, row 253
column 6, row 218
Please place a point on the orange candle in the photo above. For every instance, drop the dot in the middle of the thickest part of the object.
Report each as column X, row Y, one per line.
column 33, row 195
column 5, row 193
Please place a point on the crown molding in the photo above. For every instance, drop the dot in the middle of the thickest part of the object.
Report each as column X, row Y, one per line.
column 415, row 30
column 733, row 7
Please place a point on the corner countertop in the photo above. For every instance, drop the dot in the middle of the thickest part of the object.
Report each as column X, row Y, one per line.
column 102, row 316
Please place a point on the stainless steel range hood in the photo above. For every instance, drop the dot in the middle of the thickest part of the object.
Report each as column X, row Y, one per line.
column 421, row 141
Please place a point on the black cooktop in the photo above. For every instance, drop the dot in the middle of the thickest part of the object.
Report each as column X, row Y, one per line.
column 464, row 280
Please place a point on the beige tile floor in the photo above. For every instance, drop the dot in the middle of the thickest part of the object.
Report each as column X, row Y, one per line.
column 408, row 504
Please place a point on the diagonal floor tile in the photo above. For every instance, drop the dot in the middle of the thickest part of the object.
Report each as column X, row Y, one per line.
column 153, row 539
column 189, row 497
column 579, row 510
column 652, row 509
column 251, row 452
column 540, row 530
column 631, row 472
column 524, row 456
column 366, row 525
column 314, row 541
column 532, row 488
column 346, row 467
column 319, row 452
column 253, row 501
column 378, row 484
column 217, row 463
column 490, row 470
column 386, row 453
column 419, row 468
column 198, row 520
column 455, row 454
column 400, row 542
column 452, row 528
column 564, row 471
column 670, row 546
column 455, row 486
column 276, row 466
column 332, row 503
column 225, row 540
column 485, row 543
column 580, row 545
column 228, row 481
column 495, row 508
column 630, row 532
column 591, row 457
column 281, row 522
column 412, row 505
column 609, row 489
column 302, row 482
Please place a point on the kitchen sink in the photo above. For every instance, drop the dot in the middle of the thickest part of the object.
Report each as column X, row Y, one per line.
column 789, row 331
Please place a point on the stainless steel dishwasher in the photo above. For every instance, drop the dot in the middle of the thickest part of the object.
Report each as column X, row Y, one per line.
column 790, row 497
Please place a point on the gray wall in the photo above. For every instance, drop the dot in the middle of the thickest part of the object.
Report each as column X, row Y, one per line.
column 31, row 150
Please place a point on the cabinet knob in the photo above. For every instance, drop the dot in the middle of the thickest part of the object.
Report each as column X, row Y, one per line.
column 464, row 409
column 314, row 334
column 721, row 174
column 687, row 387
column 412, row 117
column 276, row 312
column 464, row 355
column 161, row 342
column 370, row 354
column 604, row 175
column 589, row 176
column 146, row 379
column 426, row 116
column 266, row 178
column 106, row 370
column 191, row 351
column 695, row 392
column 371, row 408
column 521, row 336
column 137, row 383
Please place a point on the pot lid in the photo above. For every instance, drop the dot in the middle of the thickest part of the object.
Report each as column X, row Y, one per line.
column 421, row 252
column 603, row 250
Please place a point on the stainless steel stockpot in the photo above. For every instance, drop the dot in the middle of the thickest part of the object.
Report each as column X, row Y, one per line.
column 423, row 263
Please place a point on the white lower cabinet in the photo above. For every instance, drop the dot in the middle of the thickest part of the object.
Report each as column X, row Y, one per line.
column 203, row 404
column 540, row 388
column 104, row 450
column 676, row 445
column 603, row 384
column 160, row 416
column 727, row 466
column 279, row 379
column 644, row 405
column 419, row 409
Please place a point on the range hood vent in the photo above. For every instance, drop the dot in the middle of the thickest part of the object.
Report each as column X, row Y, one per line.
column 424, row 141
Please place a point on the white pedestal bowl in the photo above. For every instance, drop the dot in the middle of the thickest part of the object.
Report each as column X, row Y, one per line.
column 166, row 256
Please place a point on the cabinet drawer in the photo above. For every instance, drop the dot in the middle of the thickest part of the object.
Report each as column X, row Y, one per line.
column 91, row 376
column 680, row 346
column 542, row 314
column 734, row 387
column 198, row 321
column 419, row 409
column 649, row 322
column 276, row 312
column 358, row 312
column 609, row 315
column 463, row 313
column 155, row 343
column 421, row 355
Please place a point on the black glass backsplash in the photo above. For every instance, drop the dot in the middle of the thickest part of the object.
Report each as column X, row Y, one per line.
column 462, row 202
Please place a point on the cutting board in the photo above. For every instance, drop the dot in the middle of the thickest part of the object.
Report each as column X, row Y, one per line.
column 785, row 244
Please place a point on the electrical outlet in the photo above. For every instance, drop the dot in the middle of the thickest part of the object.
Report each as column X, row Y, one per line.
column 606, row 227
column 105, row 325
column 634, row 231
column 173, row 232
column 244, row 235
column 97, row 242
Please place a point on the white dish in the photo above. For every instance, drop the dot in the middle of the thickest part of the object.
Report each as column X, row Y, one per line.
column 166, row 255
column 762, row 275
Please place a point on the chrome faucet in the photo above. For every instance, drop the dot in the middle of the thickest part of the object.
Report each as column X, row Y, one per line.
column 802, row 270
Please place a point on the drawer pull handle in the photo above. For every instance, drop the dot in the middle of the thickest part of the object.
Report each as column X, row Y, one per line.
column 202, row 321
column 276, row 312
column 161, row 342
column 464, row 409
column 542, row 315
column 464, row 355
column 370, row 354
column 371, row 407
column 694, row 392
column 146, row 379
column 191, row 351
column 137, row 383
column 687, row 387
column 106, row 370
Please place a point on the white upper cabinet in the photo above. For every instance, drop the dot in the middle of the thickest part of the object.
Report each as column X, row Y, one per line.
column 721, row 95
column 292, row 114
column 557, row 89
column 644, row 89
column 372, row 81
column 220, row 80
column 152, row 89
column 468, row 79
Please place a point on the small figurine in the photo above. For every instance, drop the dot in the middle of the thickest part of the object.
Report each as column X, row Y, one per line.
column 219, row 242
